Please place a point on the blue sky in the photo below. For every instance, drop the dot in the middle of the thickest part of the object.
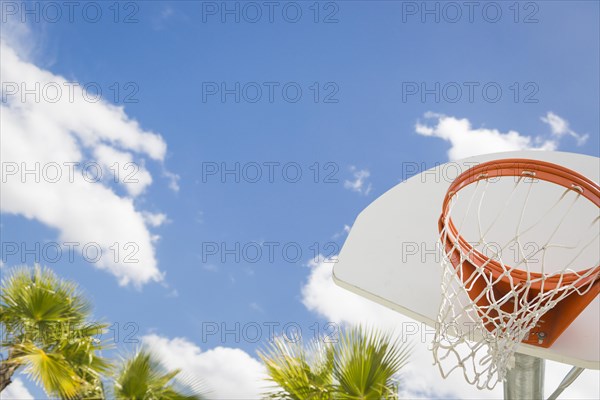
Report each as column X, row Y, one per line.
column 358, row 68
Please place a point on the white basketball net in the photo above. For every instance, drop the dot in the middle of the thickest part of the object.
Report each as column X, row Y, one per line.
column 482, row 340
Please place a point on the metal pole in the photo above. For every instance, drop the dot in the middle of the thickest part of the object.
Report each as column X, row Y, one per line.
column 570, row 378
column 526, row 379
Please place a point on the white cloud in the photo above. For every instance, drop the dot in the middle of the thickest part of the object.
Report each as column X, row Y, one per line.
column 467, row 141
column 256, row 307
column 330, row 301
column 166, row 12
column 560, row 127
column 73, row 129
column 228, row 373
column 359, row 184
column 173, row 180
column 420, row 379
column 161, row 19
column 16, row 391
column 20, row 36
column 210, row 267
column 343, row 232
column 122, row 169
column 155, row 219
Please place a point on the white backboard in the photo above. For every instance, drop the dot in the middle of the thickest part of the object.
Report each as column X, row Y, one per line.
column 380, row 261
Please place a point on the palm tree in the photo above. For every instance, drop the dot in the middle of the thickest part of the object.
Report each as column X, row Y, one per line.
column 367, row 364
column 301, row 373
column 364, row 364
column 143, row 378
column 46, row 330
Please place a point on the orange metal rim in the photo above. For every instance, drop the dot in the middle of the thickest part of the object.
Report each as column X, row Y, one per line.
column 516, row 167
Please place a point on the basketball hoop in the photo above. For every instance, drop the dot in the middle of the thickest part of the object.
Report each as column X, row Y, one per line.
column 494, row 302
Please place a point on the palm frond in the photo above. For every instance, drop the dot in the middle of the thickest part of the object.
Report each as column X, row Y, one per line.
column 142, row 377
column 35, row 299
column 45, row 329
column 49, row 370
column 298, row 372
column 367, row 364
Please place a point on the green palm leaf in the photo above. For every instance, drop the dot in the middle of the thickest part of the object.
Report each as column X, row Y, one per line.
column 142, row 377
column 34, row 299
column 301, row 373
column 45, row 330
column 364, row 364
column 49, row 370
column 367, row 364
